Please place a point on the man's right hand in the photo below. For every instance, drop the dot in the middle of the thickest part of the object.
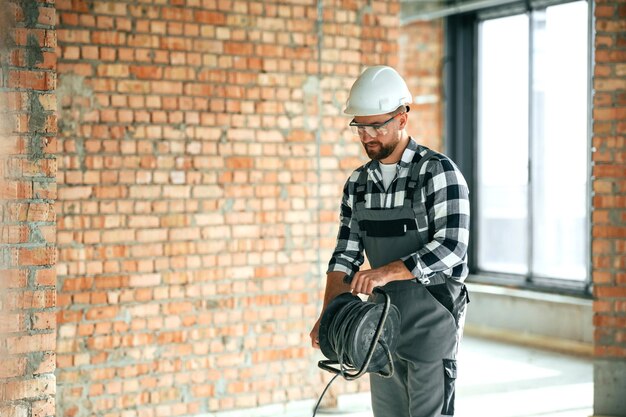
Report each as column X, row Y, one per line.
column 335, row 285
column 315, row 342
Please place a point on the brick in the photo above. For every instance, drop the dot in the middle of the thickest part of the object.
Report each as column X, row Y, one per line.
column 602, row 306
column 609, row 232
column 32, row 343
column 44, row 320
column 615, row 113
column 45, row 277
column 147, row 72
column 212, row 18
column 610, row 292
column 113, row 70
column 609, row 170
column 108, row 37
column 614, row 26
column 30, row 388
column 33, row 80
column 37, row 299
column 110, row 8
column 12, row 367
column 44, row 408
column 11, row 323
column 100, row 313
column 75, row 193
column 620, row 306
column 45, row 38
column 13, row 278
column 610, row 56
column 44, row 190
column 15, row 234
column 42, row 256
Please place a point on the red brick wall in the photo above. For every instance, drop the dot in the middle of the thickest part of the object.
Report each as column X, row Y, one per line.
column 609, row 202
column 27, row 193
column 202, row 153
column 421, row 63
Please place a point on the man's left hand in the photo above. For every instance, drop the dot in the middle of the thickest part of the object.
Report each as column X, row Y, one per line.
column 364, row 282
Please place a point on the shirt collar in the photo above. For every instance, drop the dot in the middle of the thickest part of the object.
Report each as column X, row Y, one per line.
column 408, row 154
column 405, row 159
column 404, row 162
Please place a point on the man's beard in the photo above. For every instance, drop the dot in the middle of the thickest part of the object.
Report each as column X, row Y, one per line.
column 383, row 151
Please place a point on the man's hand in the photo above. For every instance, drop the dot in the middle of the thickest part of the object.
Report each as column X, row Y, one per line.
column 364, row 282
column 315, row 341
column 334, row 287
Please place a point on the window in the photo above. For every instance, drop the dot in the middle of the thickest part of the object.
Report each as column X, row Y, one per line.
column 502, row 144
column 530, row 147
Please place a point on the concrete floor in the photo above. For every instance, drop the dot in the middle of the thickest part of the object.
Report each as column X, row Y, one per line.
column 502, row 380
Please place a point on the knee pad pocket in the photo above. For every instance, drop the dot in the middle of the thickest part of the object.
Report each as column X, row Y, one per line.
column 449, row 378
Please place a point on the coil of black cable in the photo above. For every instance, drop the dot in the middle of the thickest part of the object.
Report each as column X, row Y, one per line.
column 348, row 327
column 358, row 335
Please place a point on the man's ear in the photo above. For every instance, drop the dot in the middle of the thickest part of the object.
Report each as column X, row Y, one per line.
column 404, row 118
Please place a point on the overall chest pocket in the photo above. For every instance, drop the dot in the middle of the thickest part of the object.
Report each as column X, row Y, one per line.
column 387, row 234
column 387, row 228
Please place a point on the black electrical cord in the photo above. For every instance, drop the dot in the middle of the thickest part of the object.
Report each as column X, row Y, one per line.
column 324, row 392
column 342, row 330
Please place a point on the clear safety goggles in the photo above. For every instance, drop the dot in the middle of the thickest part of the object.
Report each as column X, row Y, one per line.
column 373, row 129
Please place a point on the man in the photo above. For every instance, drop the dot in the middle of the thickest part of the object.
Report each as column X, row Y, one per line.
column 408, row 209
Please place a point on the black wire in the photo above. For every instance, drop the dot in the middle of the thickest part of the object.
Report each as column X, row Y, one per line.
column 324, row 392
column 341, row 331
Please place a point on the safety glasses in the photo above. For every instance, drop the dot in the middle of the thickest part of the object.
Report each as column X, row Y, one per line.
column 374, row 129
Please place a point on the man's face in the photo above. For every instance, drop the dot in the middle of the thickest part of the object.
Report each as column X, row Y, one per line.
column 379, row 143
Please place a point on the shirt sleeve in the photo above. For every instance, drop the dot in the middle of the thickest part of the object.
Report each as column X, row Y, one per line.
column 348, row 254
column 448, row 207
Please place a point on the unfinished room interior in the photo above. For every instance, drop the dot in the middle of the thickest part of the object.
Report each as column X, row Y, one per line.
column 172, row 172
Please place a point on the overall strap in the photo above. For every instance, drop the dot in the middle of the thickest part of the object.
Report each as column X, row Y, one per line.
column 413, row 182
column 361, row 188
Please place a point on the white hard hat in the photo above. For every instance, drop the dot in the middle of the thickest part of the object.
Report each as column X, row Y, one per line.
column 378, row 90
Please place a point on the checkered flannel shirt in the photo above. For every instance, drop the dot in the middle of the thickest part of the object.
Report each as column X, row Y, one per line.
column 447, row 205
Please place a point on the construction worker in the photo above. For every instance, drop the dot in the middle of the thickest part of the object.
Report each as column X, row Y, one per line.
column 408, row 210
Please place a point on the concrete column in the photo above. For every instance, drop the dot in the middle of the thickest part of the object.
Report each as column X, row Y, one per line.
column 609, row 377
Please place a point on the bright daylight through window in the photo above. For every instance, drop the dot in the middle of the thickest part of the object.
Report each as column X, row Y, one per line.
column 532, row 143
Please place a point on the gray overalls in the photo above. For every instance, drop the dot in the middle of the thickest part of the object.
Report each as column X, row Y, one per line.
column 432, row 315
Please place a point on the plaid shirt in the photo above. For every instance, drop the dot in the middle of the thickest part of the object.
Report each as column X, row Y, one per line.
column 447, row 204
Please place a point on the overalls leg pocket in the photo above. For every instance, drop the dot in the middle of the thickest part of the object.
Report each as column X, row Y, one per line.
column 449, row 379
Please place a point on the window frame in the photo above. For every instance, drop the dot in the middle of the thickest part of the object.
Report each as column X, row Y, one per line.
column 461, row 131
